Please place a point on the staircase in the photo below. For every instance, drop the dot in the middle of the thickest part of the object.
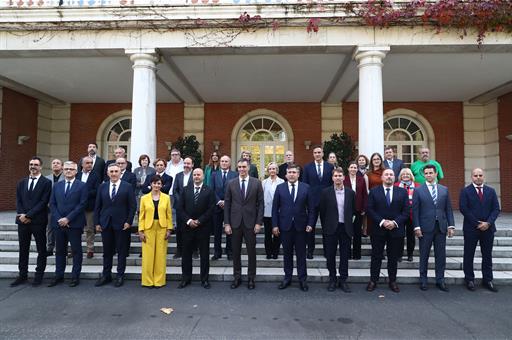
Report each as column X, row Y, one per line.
column 272, row 270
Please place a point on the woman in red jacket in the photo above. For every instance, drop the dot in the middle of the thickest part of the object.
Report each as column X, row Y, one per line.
column 406, row 181
column 358, row 184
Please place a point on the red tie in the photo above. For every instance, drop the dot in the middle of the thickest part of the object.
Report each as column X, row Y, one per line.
column 480, row 194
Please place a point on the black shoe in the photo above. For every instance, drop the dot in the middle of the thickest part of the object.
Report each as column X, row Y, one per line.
column 409, row 258
column 332, row 286
column 303, row 286
column 177, row 256
column 230, row 257
column 344, row 286
column 423, row 286
column 216, row 257
column 490, row 286
column 49, row 253
column 195, row 255
column 275, row 256
column 357, row 257
column 269, row 257
column 250, row 284
column 394, row 287
column 183, row 284
column 371, row 286
column 74, row 282
column 309, row 256
column 442, row 287
column 285, row 284
column 119, row 281
column 19, row 280
column 103, row 280
column 470, row 285
column 56, row 281
column 206, row 284
column 236, row 282
column 37, row 282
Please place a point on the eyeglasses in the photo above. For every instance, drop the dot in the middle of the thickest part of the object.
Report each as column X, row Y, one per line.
column 175, row 154
column 120, row 163
column 69, row 169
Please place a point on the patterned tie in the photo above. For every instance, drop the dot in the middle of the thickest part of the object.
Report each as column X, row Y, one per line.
column 319, row 171
column 388, row 197
column 293, row 192
column 480, row 194
column 68, row 186
column 242, row 191
column 434, row 194
column 196, row 194
column 31, row 187
column 113, row 195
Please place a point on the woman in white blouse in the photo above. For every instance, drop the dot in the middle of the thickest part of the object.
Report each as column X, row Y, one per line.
column 272, row 243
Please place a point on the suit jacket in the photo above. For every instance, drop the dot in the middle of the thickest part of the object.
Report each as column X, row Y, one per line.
column 219, row 187
column 253, row 171
column 398, row 165
column 328, row 211
column 114, row 213
column 311, row 178
column 248, row 210
column 425, row 213
column 93, row 182
column 201, row 210
column 475, row 210
column 287, row 213
column 35, row 205
column 378, row 209
column 130, row 178
column 150, row 172
column 282, row 172
column 98, row 167
column 166, row 184
column 110, row 161
column 71, row 205
column 361, row 192
column 147, row 212
column 177, row 189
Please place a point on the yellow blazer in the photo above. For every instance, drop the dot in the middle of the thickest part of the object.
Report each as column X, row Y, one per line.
column 147, row 212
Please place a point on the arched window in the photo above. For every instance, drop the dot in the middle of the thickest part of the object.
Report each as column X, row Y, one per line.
column 118, row 134
column 406, row 136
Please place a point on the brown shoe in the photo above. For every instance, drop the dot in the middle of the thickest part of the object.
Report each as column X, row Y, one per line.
column 90, row 254
column 371, row 286
column 394, row 287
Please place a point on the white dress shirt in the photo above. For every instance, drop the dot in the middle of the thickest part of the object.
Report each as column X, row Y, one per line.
column 35, row 181
column 118, row 183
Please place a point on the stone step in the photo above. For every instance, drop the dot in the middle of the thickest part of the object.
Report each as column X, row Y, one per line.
column 452, row 263
column 451, row 251
column 405, row 276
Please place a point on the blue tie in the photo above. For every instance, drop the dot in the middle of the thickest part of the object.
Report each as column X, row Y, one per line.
column 319, row 172
column 388, row 196
column 434, row 194
column 224, row 177
column 242, row 191
column 293, row 192
column 113, row 192
column 68, row 186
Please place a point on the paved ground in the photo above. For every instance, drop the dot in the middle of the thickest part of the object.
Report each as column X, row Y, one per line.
column 132, row 312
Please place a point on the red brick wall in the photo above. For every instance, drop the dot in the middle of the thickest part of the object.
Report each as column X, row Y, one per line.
column 505, row 128
column 446, row 120
column 19, row 118
column 304, row 119
column 87, row 118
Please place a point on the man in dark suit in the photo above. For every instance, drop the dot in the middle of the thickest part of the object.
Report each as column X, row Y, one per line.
column 243, row 218
column 167, row 180
column 337, row 209
column 196, row 206
column 388, row 208
column 92, row 181
column 219, row 183
column 288, row 160
column 113, row 215
column 480, row 207
column 68, row 201
column 318, row 174
column 291, row 220
column 432, row 218
column 118, row 153
column 98, row 163
column 253, row 169
column 55, row 177
column 32, row 197
column 126, row 175
column 182, row 180
column 391, row 162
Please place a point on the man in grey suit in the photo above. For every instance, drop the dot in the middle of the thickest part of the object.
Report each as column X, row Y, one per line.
column 432, row 220
column 243, row 217
column 54, row 177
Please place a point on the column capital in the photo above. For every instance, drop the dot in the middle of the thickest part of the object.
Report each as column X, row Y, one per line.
column 145, row 57
column 370, row 55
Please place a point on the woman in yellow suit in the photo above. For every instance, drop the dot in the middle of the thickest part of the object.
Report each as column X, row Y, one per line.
column 155, row 225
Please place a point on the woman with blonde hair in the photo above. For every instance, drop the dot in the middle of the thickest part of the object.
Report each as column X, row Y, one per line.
column 406, row 181
column 272, row 242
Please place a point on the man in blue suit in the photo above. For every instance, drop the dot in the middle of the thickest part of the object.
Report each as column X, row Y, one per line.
column 68, row 201
column 219, row 182
column 479, row 205
column 292, row 211
column 181, row 181
column 391, row 162
column 388, row 208
column 113, row 215
column 432, row 218
column 318, row 175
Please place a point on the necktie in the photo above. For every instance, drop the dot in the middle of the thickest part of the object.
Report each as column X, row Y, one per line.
column 434, row 194
column 31, row 187
column 480, row 194
column 68, row 186
column 196, row 194
column 242, row 191
column 388, row 196
column 113, row 192
column 224, row 177
column 319, row 171
column 293, row 192
column 390, row 164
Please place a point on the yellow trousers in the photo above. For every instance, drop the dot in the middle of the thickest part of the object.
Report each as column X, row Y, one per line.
column 154, row 256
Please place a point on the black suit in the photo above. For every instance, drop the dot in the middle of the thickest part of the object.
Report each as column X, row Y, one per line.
column 398, row 211
column 336, row 233
column 282, row 172
column 219, row 187
column 177, row 190
column 35, row 206
column 130, row 177
column 98, row 167
column 166, row 184
column 201, row 210
column 110, row 161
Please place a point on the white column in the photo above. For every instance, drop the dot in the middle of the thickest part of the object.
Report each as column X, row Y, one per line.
column 371, row 115
column 143, row 139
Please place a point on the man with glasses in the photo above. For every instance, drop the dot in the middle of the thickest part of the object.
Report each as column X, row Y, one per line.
column 118, row 153
column 67, row 203
column 126, row 175
column 32, row 197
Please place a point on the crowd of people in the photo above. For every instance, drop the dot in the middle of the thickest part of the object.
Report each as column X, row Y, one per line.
column 377, row 197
